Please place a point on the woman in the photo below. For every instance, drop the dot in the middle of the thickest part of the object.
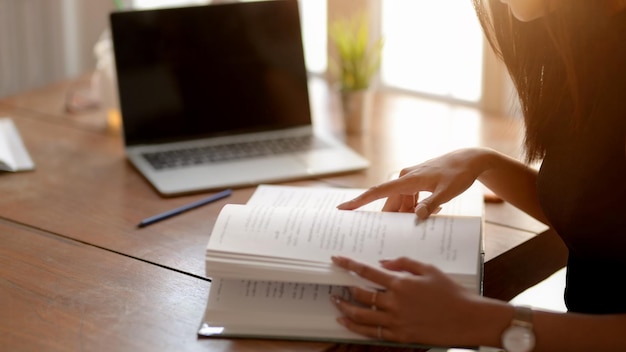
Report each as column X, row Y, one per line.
column 567, row 60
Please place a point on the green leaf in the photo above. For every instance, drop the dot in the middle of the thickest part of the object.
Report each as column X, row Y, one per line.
column 356, row 62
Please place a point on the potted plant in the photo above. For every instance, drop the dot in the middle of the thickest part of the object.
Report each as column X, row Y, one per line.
column 355, row 62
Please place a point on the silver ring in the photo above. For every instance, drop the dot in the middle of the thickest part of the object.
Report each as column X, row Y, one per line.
column 380, row 332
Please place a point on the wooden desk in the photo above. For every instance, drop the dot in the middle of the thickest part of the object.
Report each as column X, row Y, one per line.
column 86, row 273
column 57, row 294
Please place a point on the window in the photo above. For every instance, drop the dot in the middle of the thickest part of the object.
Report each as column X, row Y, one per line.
column 313, row 16
column 432, row 47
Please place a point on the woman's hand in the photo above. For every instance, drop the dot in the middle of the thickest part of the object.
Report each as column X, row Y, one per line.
column 422, row 306
column 445, row 177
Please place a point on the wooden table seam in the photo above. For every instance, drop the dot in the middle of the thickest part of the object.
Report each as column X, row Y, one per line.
column 72, row 239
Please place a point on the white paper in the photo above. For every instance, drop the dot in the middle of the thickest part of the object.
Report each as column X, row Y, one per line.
column 282, row 297
column 469, row 203
column 308, row 197
column 275, row 308
column 307, row 234
column 13, row 153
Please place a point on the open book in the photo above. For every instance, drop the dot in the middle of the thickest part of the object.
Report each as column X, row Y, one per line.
column 13, row 153
column 270, row 259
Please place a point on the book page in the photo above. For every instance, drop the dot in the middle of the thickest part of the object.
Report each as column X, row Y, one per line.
column 308, row 234
column 6, row 156
column 274, row 308
column 276, row 297
column 469, row 203
column 13, row 153
column 308, row 197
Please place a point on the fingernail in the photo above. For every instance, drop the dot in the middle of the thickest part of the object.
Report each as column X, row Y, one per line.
column 335, row 300
column 335, row 259
column 421, row 210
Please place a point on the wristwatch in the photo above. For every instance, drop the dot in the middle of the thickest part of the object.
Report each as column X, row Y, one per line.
column 519, row 336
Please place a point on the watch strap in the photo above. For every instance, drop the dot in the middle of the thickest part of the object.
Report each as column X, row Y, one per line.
column 523, row 317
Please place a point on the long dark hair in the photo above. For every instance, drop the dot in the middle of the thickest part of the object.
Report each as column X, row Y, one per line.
column 552, row 62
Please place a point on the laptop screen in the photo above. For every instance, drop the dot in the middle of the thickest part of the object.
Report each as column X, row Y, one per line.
column 210, row 70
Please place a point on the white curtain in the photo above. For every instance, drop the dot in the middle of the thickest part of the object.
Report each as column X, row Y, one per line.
column 44, row 41
column 31, row 44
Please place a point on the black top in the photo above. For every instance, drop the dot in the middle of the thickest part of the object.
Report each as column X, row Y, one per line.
column 582, row 189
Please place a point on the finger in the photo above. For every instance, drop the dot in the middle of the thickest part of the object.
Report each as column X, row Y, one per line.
column 365, row 271
column 387, row 189
column 423, row 210
column 393, row 203
column 358, row 314
column 378, row 332
column 405, row 264
column 428, row 206
column 408, row 203
column 368, row 298
column 440, row 195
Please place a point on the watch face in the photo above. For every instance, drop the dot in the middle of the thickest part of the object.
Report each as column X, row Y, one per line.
column 518, row 339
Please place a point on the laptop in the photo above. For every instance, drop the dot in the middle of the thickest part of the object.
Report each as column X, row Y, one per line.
column 216, row 96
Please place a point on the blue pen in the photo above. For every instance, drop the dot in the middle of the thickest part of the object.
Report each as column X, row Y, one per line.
column 184, row 208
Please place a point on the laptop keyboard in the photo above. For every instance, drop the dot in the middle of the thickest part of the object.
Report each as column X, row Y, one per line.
column 226, row 152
